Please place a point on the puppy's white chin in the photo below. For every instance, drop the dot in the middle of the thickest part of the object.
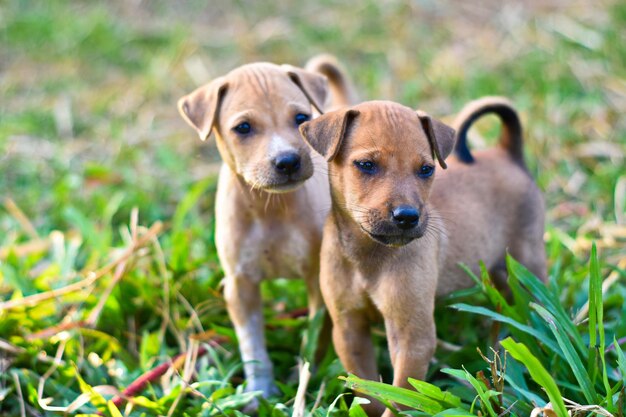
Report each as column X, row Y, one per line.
column 282, row 188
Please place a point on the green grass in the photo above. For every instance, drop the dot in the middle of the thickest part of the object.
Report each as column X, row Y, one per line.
column 89, row 131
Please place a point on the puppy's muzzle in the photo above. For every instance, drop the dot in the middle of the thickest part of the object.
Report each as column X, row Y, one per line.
column 405, row 217
column 284, row 172
column 287, row 163
column 401, row 227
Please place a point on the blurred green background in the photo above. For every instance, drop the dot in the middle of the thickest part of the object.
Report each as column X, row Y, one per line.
column 89, row 130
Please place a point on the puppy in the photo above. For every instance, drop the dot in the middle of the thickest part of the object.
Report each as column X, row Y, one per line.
column 272, row 194
column 500, row 174
column 399, row 227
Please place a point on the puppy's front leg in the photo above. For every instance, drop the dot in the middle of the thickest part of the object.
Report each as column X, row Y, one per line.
column 353, row 343
column 243, row 300
column 410, row 328
column 411, row 346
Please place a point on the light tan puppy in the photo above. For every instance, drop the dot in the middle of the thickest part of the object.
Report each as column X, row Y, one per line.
column 397, row 230
column 272, row 194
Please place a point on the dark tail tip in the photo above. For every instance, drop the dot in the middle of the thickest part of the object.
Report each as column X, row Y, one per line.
column 510, row 137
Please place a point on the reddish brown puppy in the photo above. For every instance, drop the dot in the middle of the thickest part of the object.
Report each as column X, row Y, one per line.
column 399, row 227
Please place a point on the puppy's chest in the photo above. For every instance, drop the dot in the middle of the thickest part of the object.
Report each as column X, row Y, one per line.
column 402, row 271
column 279, row 250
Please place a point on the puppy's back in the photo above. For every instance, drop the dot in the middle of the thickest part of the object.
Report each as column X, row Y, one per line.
column 489, row 200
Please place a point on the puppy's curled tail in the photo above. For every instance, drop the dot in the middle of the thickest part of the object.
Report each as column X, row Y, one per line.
column 341, row 90
column 511, row 132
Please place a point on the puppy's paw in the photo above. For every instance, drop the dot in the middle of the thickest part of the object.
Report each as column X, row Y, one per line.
column 252, row 408
column 266, row 387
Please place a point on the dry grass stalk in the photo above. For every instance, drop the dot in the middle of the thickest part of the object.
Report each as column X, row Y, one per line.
column 117, row 276
column 8, row 347
column 620, row 200
column 300, row 400
column 91, row 278
column 54, row 330
column 578, row 409
column 95, row 313
column 188, row 370
column 21, row 218
column 138, row 385
column 320, row 395
column 20, row 396
column 37, row 245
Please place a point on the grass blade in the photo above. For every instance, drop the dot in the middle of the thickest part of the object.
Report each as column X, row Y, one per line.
column 504, row 319
column 113, row 410
column 538, row 373
column 355, row 408
column 455, row 412
column 496, row 297
column 95, row 398
column 530, row 396
column 621, row 360
column 435, row 393
column 572, row 358
column 596, row 320
column 481, row 390
column 310, row 340
column 390, row 394
column 551, row 302
column 594, row 274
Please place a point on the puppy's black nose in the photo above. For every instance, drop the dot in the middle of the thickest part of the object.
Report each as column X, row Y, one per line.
column 405, row 217
column 287, row 163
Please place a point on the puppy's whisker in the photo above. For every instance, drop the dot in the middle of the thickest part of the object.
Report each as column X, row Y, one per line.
column 436, row 231
column 445, row 220
column 356, row 208
column 267, row 202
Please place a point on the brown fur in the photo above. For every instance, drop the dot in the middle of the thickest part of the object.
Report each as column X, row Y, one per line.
column 268, row 223
column 370, row 267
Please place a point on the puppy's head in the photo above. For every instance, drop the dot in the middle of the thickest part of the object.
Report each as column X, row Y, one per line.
column 382, row 160
column 255, row 111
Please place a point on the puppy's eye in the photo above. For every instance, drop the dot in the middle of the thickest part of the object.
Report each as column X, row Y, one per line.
column 301, row 118
column 243, row 128
column 367, row 167
column 425, row 171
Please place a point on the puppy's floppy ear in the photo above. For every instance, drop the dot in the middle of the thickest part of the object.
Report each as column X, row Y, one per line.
column 314, row 86
column 440, row 136
column 200, row 108
column 326, row 133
